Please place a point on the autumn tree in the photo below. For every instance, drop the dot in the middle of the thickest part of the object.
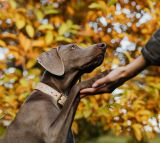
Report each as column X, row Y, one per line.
column 28, row 28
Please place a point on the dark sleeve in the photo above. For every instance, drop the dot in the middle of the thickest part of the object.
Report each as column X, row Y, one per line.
column 151, row 51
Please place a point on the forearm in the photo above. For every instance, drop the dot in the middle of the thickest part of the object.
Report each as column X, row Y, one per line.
column 120, row 75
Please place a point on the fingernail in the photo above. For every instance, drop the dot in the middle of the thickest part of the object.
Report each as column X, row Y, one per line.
column 94, row 85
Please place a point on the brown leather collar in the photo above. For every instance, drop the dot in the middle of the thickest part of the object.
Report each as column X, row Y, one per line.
column 57, row 96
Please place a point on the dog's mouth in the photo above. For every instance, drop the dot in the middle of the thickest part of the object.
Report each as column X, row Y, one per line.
column 99, row 60
column 93, row 63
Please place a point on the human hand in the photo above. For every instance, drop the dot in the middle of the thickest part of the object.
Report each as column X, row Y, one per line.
column 116, row 77
column 107, row 83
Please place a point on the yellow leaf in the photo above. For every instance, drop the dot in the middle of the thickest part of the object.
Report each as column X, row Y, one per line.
column 70, row 10
column 38, row 43
column 94, row 6
column 143, row 115
column 2, row 67
column 137, row 131
column 2, row 43
column 51, row 11
column 24, row 42
column 30, row 63
column 49, row 37
column 64, row 28
column 23, row 82
column 30, row 30
column 12, row 48
column 62, row 38
column 45, row 27
column 20, row 23
column 9, row 35
column 75, row 127
column 35, row 71
column 128, row 56
column 39, row 14
column 13, row 3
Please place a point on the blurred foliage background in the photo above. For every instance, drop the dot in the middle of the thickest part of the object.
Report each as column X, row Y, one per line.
column 30, row 27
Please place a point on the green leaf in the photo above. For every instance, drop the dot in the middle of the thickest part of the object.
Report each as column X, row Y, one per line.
column 78, row 115
column 49, row 37
column 73, row 31
column 9, row 98
column 2, row 130
column 35, row 71
column 1, row 116
column 69, row 23
column 23, row 82
column 51, row 11
column 65, row 39
column 18, row 72
column 45, row 27
column 76, row 27
column 112, row 2
column 63, row 29
column 68, row 27
column 23, row 96
column 39, row 14
column 30, row 31
column 94, row 6
column 87, row 113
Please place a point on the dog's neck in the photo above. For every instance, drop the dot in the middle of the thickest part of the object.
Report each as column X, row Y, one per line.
column 63, row 83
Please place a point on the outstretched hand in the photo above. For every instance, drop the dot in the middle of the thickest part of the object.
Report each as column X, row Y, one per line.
column 116, row 77
column 107, row 83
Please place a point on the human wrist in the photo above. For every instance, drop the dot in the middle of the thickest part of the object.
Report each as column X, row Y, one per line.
column 125, row 72
column 119, row 73
column 136, row 66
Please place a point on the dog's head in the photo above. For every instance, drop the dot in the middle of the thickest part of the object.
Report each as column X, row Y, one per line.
column 71, row 57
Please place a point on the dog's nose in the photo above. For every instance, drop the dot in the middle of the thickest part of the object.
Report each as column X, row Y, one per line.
column 103, row 46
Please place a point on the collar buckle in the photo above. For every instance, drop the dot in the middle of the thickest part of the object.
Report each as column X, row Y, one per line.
column 62, row 99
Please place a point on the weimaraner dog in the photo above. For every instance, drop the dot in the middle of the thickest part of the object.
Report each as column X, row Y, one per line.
column 47, row 114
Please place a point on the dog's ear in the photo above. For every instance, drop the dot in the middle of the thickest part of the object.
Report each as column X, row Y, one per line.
column 52, row 62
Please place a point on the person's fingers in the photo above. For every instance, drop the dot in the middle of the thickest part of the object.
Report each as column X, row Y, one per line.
column 101, row 81
column 94, row 91
column 105, row 89
column 83, row 95
column 88, row 90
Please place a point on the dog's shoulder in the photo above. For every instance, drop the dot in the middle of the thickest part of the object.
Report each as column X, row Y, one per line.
column 36, row 107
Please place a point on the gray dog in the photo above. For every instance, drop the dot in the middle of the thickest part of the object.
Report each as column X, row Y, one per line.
column 47, row 114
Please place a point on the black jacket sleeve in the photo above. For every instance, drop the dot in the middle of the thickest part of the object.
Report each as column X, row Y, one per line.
column 151, row 51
